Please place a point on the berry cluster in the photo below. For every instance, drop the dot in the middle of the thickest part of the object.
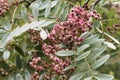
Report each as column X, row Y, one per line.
column 3, row 7
column 35, row 64
column 3, row 72
column 34, row 35
column 57, row 64
column 35, row 76
column 68, row 32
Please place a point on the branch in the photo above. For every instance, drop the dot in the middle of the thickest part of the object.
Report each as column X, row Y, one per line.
column 13, row 16
column 89, row 67
column 93, row 6
column 86, row 3
column 3, row 28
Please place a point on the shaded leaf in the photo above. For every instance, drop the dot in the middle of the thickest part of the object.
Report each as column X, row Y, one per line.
column 18, row 62
column 19, row 50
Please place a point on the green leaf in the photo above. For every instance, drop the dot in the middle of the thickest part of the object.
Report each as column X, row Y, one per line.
column 83, row 47
column 19, row 50
column 77, row 76
column 65, row 13
column 6, row 54
column 53, row 3
column 3, row 40
column 18, row 62
column 45, row 4
column 103, row 77
column 2, row 49
column 63, row 6
column 115, row 40
column 33, row 25
column 88, row 78
column 90, row 39
column 4, row 64
column 35, row 8
column 27, row 75
column 100, row 61
column 6, row 24
column 65, row 53
column 109, row 44
column 19, row 77
column 69, row 67
column 97, row 42
column 85, row 34
column 47, row 10
column 24, row 13
column 82, row 56
column 58, row 9
column 10, row 78
column 97, row 52
column 96, row 23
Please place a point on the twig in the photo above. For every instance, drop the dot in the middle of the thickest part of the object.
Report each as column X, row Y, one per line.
column 57, row 18
column 13, row 16
column 93, row 6
column 89, row 66
column 70, row 2
column 3, row 28
column 86, row 3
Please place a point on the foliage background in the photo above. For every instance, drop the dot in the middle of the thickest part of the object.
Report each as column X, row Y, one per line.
column 15, row 23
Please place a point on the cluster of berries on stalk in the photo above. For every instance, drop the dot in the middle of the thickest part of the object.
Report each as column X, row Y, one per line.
column 67, row 33
column 3, row 7
column 3, row 72
column 34, row 35
column 35, row 64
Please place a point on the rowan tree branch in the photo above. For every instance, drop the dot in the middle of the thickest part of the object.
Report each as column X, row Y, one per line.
column 93, row 6
column 86, row 3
